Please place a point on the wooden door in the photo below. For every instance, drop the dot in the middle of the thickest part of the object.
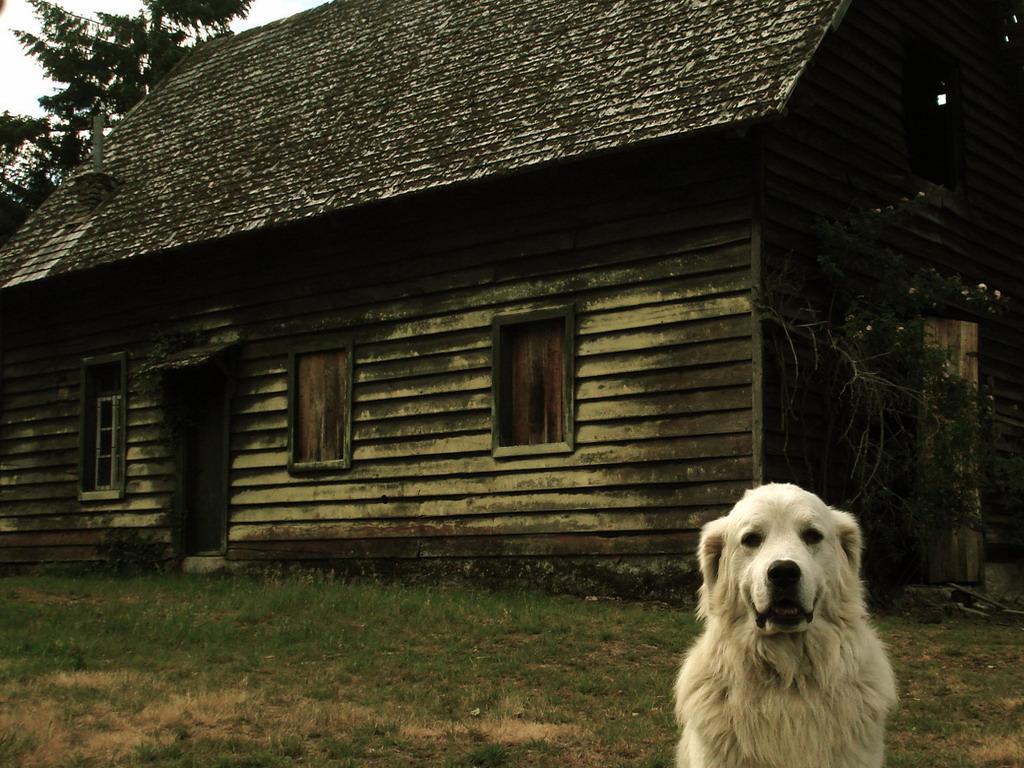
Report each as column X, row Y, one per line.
column 203, row 459
column 957, row 556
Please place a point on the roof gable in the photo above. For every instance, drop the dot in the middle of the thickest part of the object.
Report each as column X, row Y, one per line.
column 361, row 100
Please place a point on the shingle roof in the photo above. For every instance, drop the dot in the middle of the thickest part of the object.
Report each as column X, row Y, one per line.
column 360, row 100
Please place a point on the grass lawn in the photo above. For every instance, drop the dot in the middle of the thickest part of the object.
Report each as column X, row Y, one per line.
column 178, row 671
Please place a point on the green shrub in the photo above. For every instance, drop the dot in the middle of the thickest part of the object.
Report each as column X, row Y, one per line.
column 904, row 442
column 127, row 552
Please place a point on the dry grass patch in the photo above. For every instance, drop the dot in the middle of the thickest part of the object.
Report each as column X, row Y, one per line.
column 98, row 745
column 504, row 731
column 510, row 731
column 106, row 736
column 37, row 729
column 105, row 680
column 208, row 712
column 1003, row 752
column 31, row 595
column 55, row 736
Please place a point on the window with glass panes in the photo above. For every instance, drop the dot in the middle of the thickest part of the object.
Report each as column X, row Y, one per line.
column 103, row 424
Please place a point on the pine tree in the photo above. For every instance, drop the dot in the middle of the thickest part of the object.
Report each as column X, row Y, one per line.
column 26, row 146
column 105, row 66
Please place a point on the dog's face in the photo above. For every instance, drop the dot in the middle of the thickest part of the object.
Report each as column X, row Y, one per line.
column 778, row 558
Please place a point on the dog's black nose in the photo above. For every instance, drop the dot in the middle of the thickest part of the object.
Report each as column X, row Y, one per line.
column 784, row 573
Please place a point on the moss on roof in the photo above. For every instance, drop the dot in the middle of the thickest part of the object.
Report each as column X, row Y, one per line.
column 361, row 100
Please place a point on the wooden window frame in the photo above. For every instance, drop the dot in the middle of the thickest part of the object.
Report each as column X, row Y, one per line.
column 85, row 467
column 322, row 345
column 568, row 314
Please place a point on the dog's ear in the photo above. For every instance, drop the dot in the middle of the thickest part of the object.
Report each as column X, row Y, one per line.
column 850, row 538
column 709, row 555
column 709, row 552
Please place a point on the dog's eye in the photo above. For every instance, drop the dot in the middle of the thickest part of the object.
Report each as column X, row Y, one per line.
column 812, row 536
column 751, row 540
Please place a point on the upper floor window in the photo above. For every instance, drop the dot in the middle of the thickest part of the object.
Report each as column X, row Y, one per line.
column 932, row 115
column 102, row 427
column 533, row 382
column 319, row 400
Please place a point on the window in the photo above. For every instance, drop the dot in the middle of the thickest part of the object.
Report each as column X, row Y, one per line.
column 320, row 421
column 932, row 115
column 102, row 427
column 533, row 382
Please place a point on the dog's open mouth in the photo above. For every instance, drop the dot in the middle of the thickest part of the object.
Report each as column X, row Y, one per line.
column 784, row 613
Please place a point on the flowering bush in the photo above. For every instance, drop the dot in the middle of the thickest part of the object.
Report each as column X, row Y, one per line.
column 902, row 438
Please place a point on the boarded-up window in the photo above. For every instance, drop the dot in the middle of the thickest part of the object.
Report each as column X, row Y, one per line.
column 533, row 382
column 103, row 426
column 320, row 392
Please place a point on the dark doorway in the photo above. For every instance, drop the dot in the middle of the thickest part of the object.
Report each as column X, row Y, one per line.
column 203, row 395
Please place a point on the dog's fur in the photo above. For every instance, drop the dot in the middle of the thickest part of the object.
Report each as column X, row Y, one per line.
column 788, row 676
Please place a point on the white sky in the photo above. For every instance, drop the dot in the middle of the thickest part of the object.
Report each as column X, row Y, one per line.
column 21, row 79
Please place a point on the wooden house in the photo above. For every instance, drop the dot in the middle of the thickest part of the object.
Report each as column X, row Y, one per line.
column 472, row 286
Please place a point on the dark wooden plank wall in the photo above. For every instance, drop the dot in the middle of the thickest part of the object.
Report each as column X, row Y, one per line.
column 842, row 146
column 653, row 249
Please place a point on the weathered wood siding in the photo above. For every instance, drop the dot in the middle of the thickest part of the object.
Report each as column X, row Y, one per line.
column 842, row 147
column 653, row 250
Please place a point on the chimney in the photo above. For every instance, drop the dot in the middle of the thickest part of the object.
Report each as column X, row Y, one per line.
column 97, row 143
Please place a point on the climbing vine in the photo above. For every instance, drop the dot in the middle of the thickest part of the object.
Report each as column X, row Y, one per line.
column 152, row 383
column 884, row 423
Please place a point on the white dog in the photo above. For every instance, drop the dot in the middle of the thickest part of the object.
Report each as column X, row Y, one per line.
column 788, row 673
